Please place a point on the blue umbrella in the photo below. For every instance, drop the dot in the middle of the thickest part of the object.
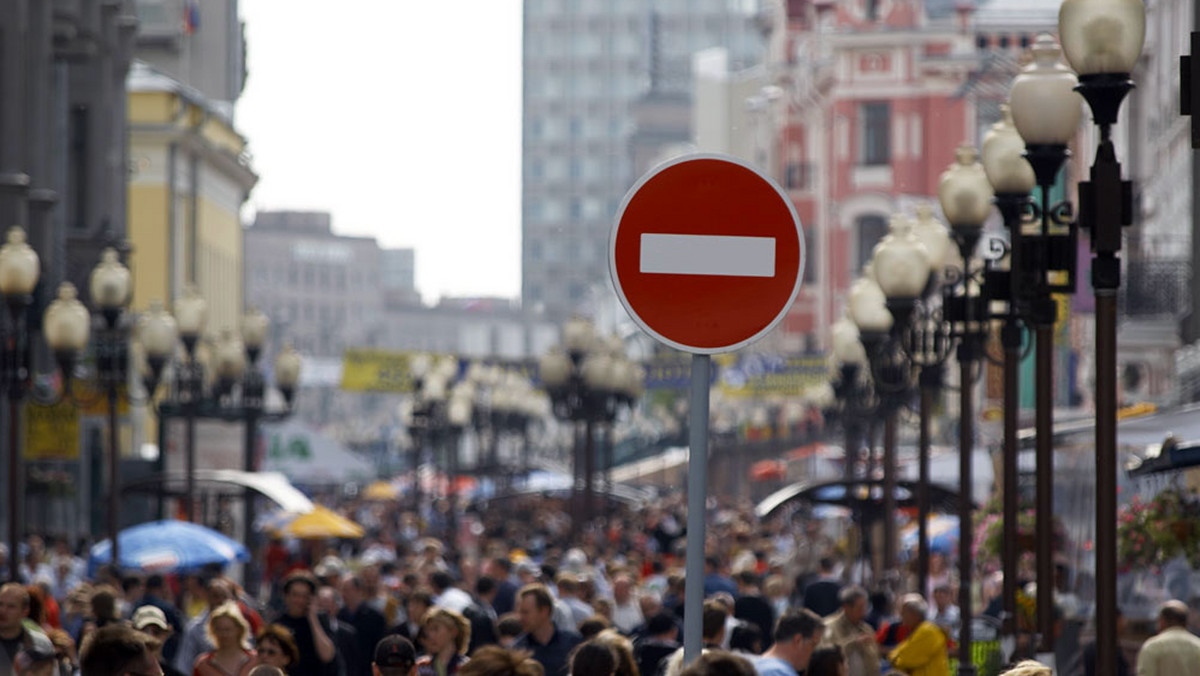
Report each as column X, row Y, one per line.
column 169, row 547
column 943, row 534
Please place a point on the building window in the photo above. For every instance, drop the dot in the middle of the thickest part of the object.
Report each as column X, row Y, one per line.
column 797, row 175
column 1004, row 42
column 872, row 10
column 871, row 228
column 874, row 139
column 576, row 127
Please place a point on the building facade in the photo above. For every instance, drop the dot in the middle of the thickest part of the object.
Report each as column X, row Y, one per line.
column 586, row 64
column 321, row 289
column 190, row 177
column 874, row 111
column 62, row 178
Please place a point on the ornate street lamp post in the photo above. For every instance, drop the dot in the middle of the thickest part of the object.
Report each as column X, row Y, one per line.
column 1012, row 180
column 111, row 288
column 19, row 272
column 902, row 268
column 1046, row 112
column 966, row 199
column 868, row 310
column 850, row 358
column 1103, row 40
column 588, row 384
column 238, row 391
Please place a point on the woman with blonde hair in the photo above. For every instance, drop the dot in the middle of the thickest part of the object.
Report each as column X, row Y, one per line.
column 1029, row 668
column 445, row 635
column 229, row 632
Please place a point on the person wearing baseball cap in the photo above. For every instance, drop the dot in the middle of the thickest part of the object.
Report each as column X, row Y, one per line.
column 394, row 656
column 152, row 621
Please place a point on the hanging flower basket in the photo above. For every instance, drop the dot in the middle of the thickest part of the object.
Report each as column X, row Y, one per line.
column 1153, row 532
column 989, row 534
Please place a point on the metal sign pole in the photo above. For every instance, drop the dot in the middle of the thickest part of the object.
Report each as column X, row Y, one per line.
column 697, row 488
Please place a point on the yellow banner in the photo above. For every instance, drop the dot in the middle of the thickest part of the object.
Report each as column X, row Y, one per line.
column 52, row 432
column 376, row 371
column 94, row 399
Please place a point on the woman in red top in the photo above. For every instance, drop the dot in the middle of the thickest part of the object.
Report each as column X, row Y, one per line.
column 230, row 633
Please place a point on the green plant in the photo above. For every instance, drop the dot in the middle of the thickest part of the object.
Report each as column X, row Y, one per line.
column 1152, row 532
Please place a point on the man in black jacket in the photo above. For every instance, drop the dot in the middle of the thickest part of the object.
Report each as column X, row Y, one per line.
column 752, row 607
column 821, row 596
column 661, row 642
column 345, row 638
column 313, row 635
column 369, row 623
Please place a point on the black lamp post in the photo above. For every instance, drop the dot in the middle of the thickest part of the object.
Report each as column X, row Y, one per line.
column 851, row 394
column 1012, row 179
column 890, row 376
column 111, row 287
column 1046, row 112
column 19, row 272
column 588, row 384
column 966, row 199
column 1103, row 41
column 238, row 393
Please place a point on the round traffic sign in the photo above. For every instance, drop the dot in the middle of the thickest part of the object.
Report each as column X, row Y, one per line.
column 707, row 254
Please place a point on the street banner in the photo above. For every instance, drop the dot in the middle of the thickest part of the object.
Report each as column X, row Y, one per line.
column 759, row 375
column 52, row 432
column 366, row 370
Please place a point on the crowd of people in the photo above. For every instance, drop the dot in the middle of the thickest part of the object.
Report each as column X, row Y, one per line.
column 517, row 592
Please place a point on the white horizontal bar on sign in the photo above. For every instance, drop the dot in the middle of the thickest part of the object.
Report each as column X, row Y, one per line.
column 719, row 255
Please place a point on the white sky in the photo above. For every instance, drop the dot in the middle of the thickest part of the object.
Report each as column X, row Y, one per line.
column 400, row 117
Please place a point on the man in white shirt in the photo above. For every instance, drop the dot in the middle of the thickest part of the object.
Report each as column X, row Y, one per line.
column 446, row 595
column 1174, row 651
column 627, row 611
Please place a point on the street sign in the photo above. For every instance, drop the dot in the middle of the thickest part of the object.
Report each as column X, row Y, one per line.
column 707, row 254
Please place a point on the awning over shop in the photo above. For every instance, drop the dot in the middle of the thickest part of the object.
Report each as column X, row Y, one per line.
column 854, row 494
column 271, row 485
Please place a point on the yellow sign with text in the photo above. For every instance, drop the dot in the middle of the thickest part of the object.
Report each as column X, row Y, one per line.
column 52, row 432
column 376, row 371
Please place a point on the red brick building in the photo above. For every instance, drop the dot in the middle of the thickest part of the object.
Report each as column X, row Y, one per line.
column 878, row 99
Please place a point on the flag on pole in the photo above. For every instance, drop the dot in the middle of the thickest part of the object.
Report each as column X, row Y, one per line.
column 191, row 17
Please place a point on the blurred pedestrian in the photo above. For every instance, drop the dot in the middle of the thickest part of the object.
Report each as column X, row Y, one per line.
column 923, row 651
column 797, row 634
column 229, row 633
column 829, row 661
column 550, row 645
column 116, row 649
column 445, row 635
column 847, row 631
column 593, row 658
column 1174, row 651
column 394, row 656
column 276, row 647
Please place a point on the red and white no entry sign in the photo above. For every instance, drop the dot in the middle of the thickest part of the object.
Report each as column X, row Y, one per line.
column 707, row 254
